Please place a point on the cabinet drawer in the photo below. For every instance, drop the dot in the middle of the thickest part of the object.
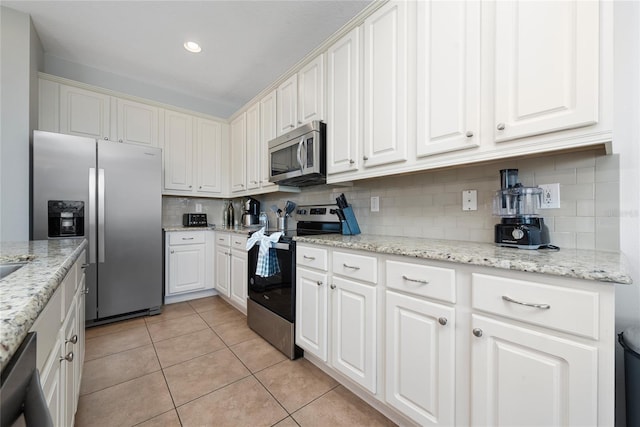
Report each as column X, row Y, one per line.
column 186, row 237
column 424, row 280
column 223, row 239
column 311, row 257
column 239, row 242
column 568, row 310
column 359, row 267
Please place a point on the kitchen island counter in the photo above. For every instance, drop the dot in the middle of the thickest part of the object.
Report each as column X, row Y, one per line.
column 25, row 293
column 574, row 263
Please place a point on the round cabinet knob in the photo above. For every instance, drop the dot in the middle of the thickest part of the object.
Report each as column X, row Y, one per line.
column 517, row 234
column 86, row 291
column 365, row 158
column 106, row 138
column 68, row 357
column 72, row 340
column 172, row 251
column 190, row 186
column 469, row 134
column 500, row 126
column 477, row 332
column 200, row 186
column 319, row 283
column 332, row 286
column 120, row 140
column 442, row 321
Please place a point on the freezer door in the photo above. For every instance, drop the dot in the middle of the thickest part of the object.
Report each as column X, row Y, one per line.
column 64, row 169
column 129, row 228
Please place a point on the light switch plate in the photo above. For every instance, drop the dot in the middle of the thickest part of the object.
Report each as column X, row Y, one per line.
column 470, row 200
column 375, row 204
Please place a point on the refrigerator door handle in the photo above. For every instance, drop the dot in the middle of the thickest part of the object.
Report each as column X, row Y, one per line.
column 92, row 215
column 101, row 215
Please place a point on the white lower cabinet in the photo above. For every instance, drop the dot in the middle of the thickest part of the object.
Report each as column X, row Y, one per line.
column 519, row 374
column 420, row 359
column 353, row 331
column 231, row 268
column 188, row 268
column 437, row 343
column 60, row 346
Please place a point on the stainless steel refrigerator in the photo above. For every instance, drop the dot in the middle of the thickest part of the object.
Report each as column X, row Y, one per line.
column 110, row 194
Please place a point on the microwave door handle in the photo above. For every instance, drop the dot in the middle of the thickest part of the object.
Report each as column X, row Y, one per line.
column 300, row 152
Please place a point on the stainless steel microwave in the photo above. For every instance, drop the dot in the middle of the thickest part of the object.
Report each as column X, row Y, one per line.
column 298, row 158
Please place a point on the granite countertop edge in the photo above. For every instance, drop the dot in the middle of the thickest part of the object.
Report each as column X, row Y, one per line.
column 601, row 266
column 25, row 294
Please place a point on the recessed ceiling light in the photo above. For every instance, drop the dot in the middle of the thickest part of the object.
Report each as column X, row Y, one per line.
column 192, row 47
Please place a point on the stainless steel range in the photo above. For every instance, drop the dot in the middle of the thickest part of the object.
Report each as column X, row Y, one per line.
column 271, row 306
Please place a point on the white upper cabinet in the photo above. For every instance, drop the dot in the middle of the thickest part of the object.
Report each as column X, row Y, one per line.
column 267, row 133
column 448, row 83
column 547, row 67
column 344, row 105
column 209, row 156
column 48, row 106
column 178, row 151
column 253, row 157
column 311, row 91
column 386, row 34
column 137, row 123
column 238, row 141
column 287, row 102
column 84, row 112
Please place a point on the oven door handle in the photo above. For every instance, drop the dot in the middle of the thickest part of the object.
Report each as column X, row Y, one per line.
column 282, row 246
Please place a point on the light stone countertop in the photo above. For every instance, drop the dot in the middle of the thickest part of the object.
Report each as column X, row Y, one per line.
column 24, row 293
column 183, row 228
column 574, row 263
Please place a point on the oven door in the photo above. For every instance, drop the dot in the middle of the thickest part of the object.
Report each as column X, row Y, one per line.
column 278, row 292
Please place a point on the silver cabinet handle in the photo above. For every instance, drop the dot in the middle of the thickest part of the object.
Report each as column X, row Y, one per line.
column 442, row 320
column 528, row 304
column 365, row 158
column 237, row 243
column 172, row 251
column 68, row 357
column 72, row 340
column 351, row 266
column 319, row 283
column 477, row 332
column 421, row 281
column 119, row 140
column 500, row 126
column 106, row 138
column 309, row 257
column 83, row 266
column 187, row 238
column 469, row 134
column 332, row 286
column 351, row 161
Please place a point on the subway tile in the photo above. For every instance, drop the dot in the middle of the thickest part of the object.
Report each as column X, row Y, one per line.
column 607, row 199
column 608, row 168
column 563, row 239
column 575, row 224
column 566, row 177
column 585, row 175
column 576, row 160
column 576, row 191
column 586, row 241
column 585, row 208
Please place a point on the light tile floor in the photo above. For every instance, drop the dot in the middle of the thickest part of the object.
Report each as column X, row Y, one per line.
column 198, row 364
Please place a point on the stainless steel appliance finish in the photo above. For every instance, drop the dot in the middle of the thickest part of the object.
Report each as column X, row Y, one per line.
column 120, row 186
column 273, row 328
column 298, row 158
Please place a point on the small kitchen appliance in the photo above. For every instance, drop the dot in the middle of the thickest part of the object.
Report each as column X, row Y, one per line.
column 194, row 219
column 250, row 212
column 520, row 227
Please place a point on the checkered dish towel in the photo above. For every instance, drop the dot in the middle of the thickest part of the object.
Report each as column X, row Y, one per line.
column 267, row 264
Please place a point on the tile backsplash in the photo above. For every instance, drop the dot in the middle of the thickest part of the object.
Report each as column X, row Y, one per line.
column 429, row 204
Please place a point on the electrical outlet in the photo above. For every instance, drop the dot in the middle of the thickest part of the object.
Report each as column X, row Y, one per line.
column 198, row 207
column 470, row 200
column 375, row 204
column 550, row 196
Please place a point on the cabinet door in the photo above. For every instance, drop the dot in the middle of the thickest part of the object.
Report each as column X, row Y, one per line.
column 448, row 83
column 239, row 276
column 51, row 380
column 287, row 103
column 68, row 366
column 521, row 376
column 209, row 156
column 137, row 123
column 420, row 360
column 84, row 113
column 267, row 133
column 178, row 151
column 223, row 272
column 80, row 321
column 354, row 332
column 311, row 312
column 311, row 91
column 385, row 84
column 253, row 147
column 48, row 105
column 186, row 268
column 344, row 80
column 547, row 67
column 238, row 153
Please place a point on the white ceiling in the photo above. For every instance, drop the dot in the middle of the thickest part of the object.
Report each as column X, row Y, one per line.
column 246, row 45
